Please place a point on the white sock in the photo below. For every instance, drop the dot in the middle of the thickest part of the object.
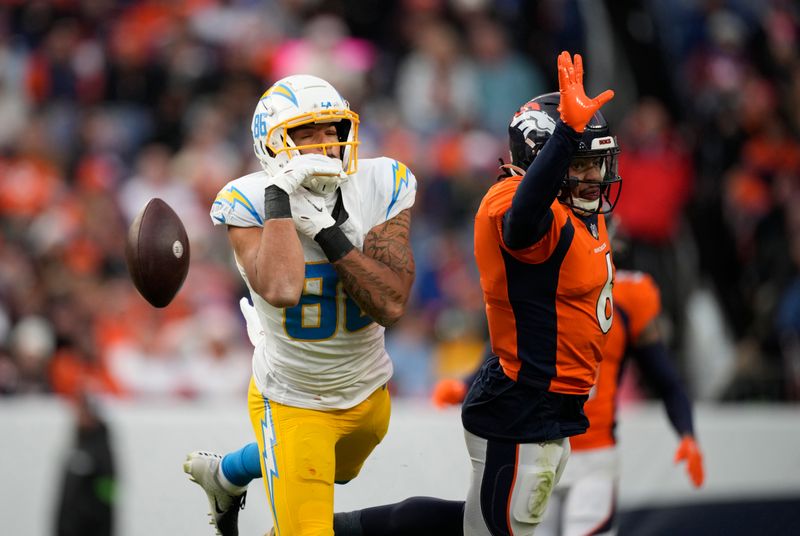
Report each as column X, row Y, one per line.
column 227, row 485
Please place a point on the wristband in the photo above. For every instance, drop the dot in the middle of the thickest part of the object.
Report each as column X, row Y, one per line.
column 334, row 243
column 276, row 203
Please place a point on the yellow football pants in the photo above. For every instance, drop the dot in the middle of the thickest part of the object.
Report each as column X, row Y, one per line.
column 304, row 451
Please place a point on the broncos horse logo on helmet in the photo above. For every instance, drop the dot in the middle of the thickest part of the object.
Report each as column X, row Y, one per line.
column 533, row 125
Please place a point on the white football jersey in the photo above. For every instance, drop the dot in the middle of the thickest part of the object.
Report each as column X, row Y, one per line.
column 323, row 353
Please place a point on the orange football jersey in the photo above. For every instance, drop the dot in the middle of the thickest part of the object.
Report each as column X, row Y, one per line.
column 549, row 306
column 636, row 304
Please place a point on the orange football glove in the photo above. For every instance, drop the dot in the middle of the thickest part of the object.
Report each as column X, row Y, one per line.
column 448, row 392
column 576, row 108
column 689, row 451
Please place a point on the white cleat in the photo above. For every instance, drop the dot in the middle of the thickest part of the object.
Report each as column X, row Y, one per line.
column 203, row 468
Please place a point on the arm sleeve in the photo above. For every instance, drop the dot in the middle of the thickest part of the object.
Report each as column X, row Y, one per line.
column 654, row 363
column 529, row 217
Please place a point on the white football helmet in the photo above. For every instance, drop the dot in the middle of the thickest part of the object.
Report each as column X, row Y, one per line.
column 299, row 100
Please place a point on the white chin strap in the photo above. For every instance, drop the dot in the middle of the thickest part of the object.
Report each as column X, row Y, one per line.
column 586, row 205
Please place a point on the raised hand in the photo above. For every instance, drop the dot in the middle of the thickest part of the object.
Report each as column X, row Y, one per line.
column 689, row 451
column 576, row 108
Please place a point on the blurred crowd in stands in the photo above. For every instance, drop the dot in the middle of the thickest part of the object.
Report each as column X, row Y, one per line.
column 105, row 104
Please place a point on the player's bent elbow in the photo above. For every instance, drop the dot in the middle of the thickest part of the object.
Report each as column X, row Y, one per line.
column 391, row 315
column 282, row 302
column 282, row 295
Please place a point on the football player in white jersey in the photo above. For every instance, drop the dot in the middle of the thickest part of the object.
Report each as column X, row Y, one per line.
column 321, row 239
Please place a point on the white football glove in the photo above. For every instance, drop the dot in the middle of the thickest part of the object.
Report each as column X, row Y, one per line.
column 325, row 184
column 304, row 168
column 309, row 212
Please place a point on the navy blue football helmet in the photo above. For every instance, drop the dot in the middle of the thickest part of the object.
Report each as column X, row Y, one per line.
column 533, row 125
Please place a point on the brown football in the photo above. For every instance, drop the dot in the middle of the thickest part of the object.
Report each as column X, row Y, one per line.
column 157, row 253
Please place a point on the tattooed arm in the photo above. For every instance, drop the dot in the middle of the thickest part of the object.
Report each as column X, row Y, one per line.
column 380, row 278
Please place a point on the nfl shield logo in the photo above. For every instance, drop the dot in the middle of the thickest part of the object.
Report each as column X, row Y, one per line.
column 593, row 230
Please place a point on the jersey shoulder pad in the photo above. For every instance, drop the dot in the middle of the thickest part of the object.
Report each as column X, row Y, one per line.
column 493, row 209
column 240, row 203
column 498, row 198
column 395, row 187
column 637, row 294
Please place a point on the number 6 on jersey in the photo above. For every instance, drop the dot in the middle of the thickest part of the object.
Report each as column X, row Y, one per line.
column 605, row 303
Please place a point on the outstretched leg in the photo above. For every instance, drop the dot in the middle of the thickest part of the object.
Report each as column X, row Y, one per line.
column 415, row 515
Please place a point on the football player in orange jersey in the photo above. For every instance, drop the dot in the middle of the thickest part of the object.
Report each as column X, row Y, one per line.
column 546, row 273
column 583, row 500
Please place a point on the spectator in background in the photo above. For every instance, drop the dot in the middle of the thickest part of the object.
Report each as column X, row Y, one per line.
column 30, row 179
column 215, row 360
column 88, row 489
column 758, row 206
column 657, row 169
column 145, row 362
column 207, row 159
column 31, row 347
column 714, row 70
column 15, row 106
column 437, row 85
column 326, row 50
column 656, row 160
column 155, row 177
column 504, row 76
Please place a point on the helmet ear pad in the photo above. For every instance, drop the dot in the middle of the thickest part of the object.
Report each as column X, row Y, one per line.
column 343, row 130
